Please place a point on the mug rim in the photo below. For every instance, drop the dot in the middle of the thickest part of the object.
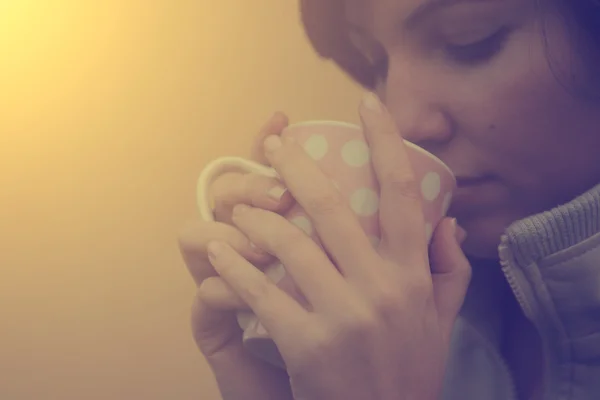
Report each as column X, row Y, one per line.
column 351, row 125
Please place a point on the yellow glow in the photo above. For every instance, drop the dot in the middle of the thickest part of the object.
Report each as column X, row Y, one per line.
column 108, row 110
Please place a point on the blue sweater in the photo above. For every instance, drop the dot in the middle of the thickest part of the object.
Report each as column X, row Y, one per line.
column 552, row 263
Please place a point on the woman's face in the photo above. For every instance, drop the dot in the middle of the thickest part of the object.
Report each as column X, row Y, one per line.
column 470, row 81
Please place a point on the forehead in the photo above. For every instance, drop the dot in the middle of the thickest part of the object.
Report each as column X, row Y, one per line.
column 368, row 13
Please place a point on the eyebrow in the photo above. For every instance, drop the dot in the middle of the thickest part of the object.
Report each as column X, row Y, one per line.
column 420, row 13
column 430, row 6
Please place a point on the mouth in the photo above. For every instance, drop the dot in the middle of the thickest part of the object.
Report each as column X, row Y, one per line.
column 471, row 181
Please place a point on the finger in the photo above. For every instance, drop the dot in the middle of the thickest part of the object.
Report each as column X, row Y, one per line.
column 308, row 265
column 277, row 123
column 337, row 225
column 194, row 238
column 219, row 338
column 450, row 272
column 253, row 189
column 217, row 294
column 280, row 314
column 401, row 218
column 214, row 331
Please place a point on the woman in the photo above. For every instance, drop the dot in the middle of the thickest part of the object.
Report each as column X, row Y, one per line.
column 506, row 92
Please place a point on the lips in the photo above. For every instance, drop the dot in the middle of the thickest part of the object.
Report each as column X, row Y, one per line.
column 469, row 181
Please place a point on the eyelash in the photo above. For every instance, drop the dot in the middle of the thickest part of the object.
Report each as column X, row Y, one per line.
column 380, row 68
column 481, row 51
column 470, row 54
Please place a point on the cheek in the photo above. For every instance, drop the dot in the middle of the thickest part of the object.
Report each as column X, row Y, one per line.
column 517, row 115
column 529, row 130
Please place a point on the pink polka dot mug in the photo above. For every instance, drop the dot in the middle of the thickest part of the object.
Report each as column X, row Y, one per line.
column 342, row 153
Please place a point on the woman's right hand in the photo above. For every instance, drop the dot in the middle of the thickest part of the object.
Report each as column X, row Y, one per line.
column 240, row 376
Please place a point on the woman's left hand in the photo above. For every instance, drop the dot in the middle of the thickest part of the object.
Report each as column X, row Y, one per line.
column 380, row 318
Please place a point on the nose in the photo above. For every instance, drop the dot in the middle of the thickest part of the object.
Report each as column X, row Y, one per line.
column 410, row 96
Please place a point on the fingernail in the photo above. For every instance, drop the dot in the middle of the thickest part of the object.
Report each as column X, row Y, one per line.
column 459, row 233
column 276, row 192
column 371, row 102
column 214, row 249
column 272, row 143
column 240, row 209
column 260, row 329
column 257, row 249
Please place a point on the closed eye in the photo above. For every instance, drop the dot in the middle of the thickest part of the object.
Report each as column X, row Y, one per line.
column 480, row 51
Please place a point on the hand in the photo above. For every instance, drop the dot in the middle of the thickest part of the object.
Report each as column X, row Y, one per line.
column 216, row 331
column 380, row 319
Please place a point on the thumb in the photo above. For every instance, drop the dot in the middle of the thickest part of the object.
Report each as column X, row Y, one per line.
column 215, row 331
column 239, row 374
column 277, row 123
column 450, row 272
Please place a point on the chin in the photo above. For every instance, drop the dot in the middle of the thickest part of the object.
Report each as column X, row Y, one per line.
column 482, row 249
column 483, row 236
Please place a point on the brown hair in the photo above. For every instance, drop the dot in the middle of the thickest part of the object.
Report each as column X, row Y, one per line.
column 324, row 21
column 583, row 22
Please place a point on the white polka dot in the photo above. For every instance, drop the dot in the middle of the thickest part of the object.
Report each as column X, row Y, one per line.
column 446, row 204
column 275, row 272
column 430, row 186
column 374, row 241
column 364, row 202
column 316, row 146
column 304, row 224
column 356, row 153
column 428, row 231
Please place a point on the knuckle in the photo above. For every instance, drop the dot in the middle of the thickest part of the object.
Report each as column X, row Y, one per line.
column 215, row 292
column 361, row 321
column 234, row 188
column 419, row 288
column 225, row 189
column 259, row 290
column 253, row 185
column 193, row 239
column 196, row 308
column 195, row 235
column 259, row 190
column 390, row 297
column 190, row 236
column 203, row 335
column 388, row 128
column 318, row 346
column 288, row 242
column 403, row 184
column 387, row 299
column 325, row 204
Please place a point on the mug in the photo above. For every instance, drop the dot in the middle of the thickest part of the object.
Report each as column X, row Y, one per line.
column 342, row 153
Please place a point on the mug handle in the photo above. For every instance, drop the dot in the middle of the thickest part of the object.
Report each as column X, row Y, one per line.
column 217, row 168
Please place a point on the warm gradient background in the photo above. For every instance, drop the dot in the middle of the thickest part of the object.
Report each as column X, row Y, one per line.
column 108, row 110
